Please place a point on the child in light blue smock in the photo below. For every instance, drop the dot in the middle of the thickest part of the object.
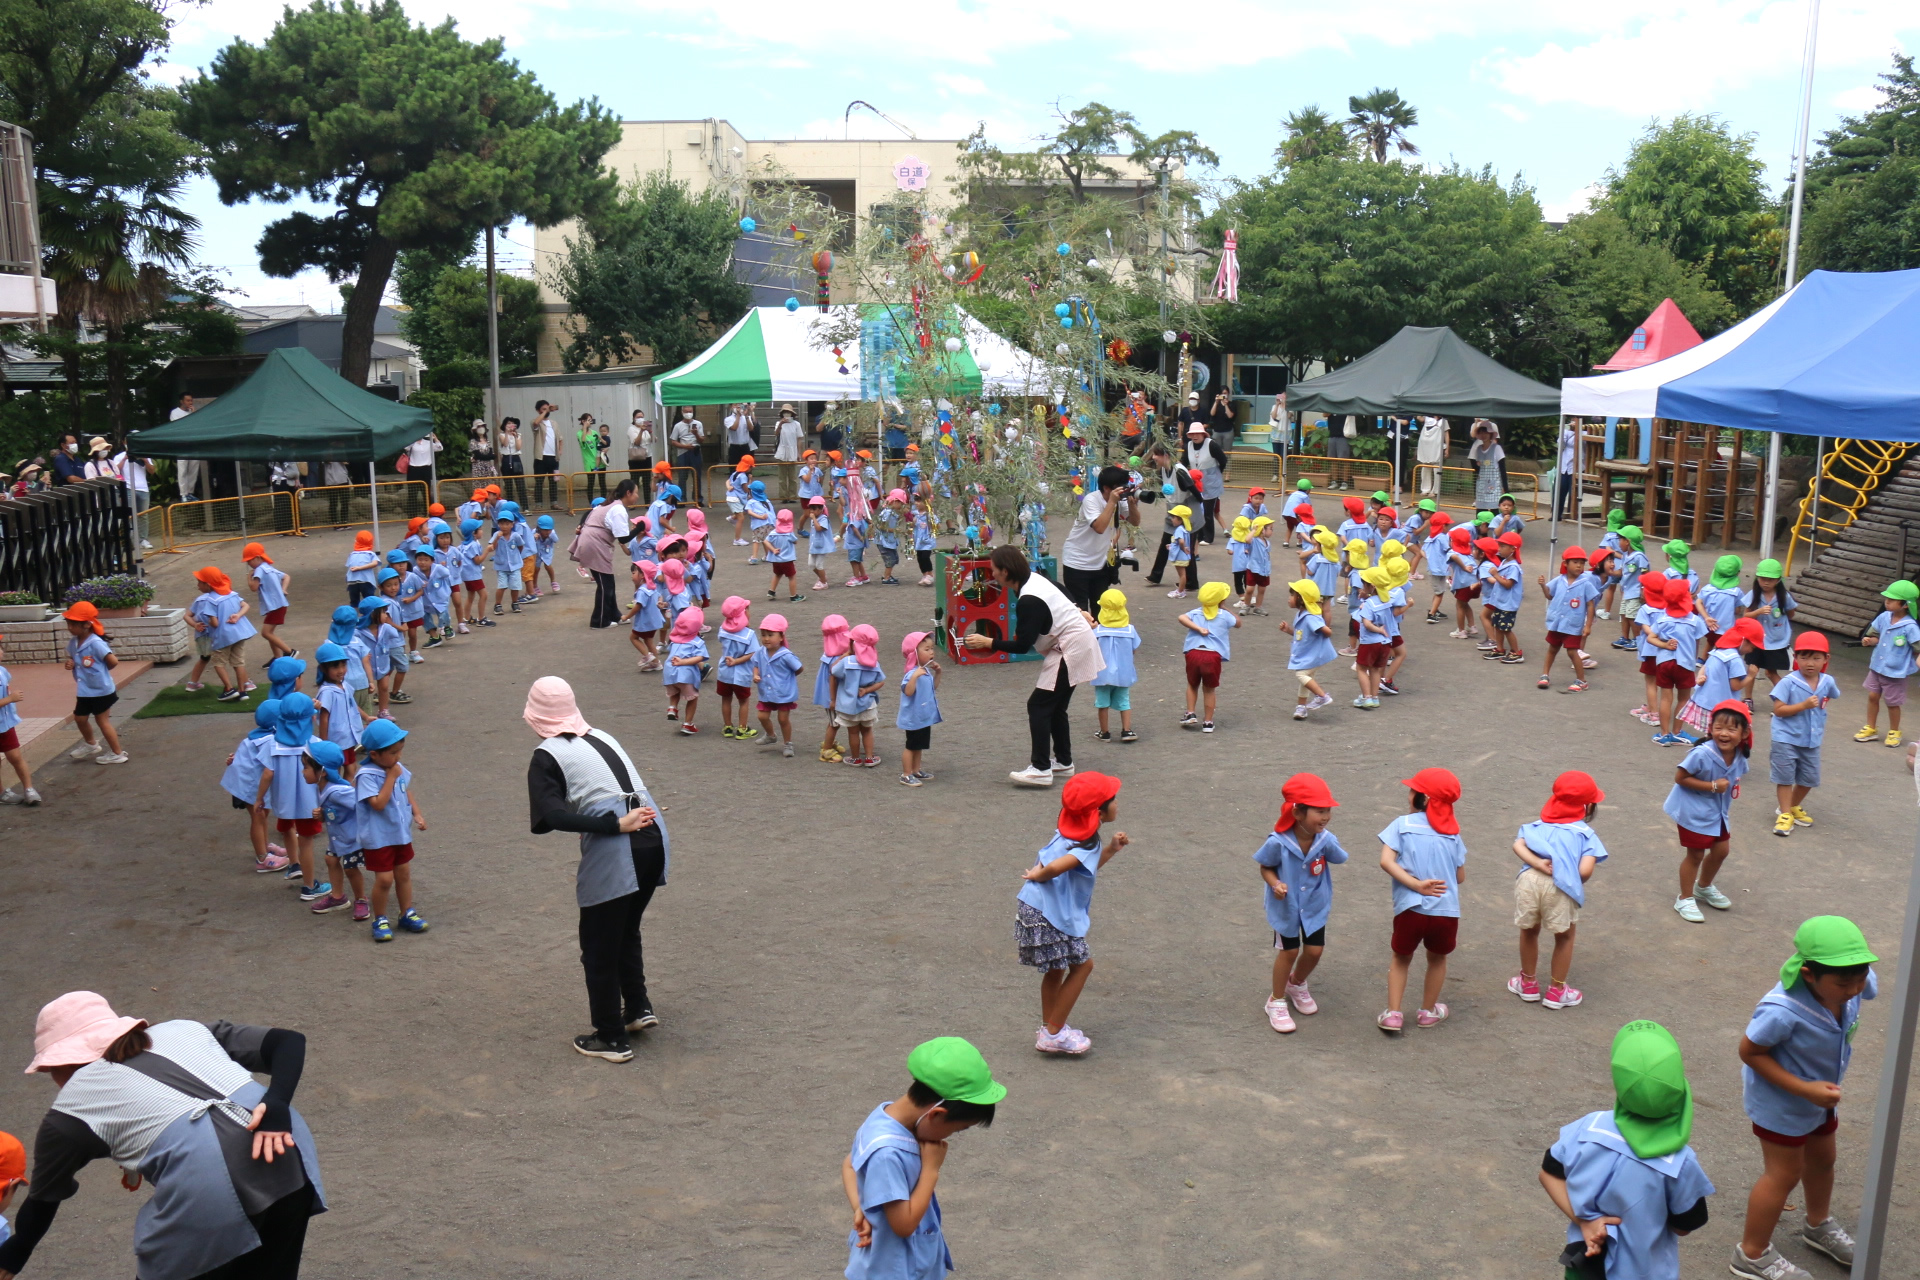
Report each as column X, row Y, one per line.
column 10, row 744
column 1425, row 861
column 854, row 540
column 835, row 640
column 1206, row 647
column 886, row 535
column 820, row 541
column 1052, row 909
column 330, row 773
column 1724, row 674
column 1312, row 645
column 1674, row 633
column 687, row 656
column 91, row 660
column 923, row 539
column 1799, row 727
column 1701, row 806
column 387, row 815
column 1118, row 638
column 338, row 719
column 242, row 781
column 504, row 551
column 270, row 585
column 733, row 674
column 759, row 520
column 545, row 539
column 438, row 599
column 1571, row 597
column 1293, row 863
column 1559, row 854
column 919, row 704
column 857, row 678
column 1769, row 603
column 1894, row 637
column 776, row 675
column 645, row 614
column 285, row 791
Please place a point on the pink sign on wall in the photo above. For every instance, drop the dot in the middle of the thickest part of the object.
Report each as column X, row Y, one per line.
column 910, row 173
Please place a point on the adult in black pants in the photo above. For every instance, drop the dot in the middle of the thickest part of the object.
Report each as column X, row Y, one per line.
column 597, row 549
column 1084, row 568
column 1185, row 493
column 546, row 460
column 513, row 465
column 581, row 780
column 1044, row 619
column 233, row 1187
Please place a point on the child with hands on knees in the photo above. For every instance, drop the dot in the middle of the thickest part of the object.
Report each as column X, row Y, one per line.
column 1051, row 911
column 1293, row 862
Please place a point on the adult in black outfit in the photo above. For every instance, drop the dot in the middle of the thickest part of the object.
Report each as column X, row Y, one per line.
column 1185, row 493
column 581, row 780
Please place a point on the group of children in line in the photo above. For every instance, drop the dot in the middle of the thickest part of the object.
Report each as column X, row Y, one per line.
column 841, row 508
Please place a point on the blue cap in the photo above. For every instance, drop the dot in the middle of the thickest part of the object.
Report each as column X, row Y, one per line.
column 346, row 613
column 387, row 575
column 469, row 527
column 370, row 605
column 330, row 652
column 759, row 488
column 396, row 556
column 285, row 670
column 423, row 551
column 498, row 516
column 595, row 503
column 545, row 522
column 267, row 714
column 512, row 507
column 329, row 757
column 437, row 526
column 380, row 735
column 671, row 492
column 295, row 723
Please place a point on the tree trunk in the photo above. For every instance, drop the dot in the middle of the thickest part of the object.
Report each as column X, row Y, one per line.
column 116, row 354
column 76, row 396
column 363, row 308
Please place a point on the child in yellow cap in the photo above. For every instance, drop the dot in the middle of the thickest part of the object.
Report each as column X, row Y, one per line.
column 1113, row 687
column 1180, row 549
column 1312, row 645
column 1239, row 551
column 1259, row 565
column 1399, row 573
column 1207, row 648
column 1359, row 558
column 1371, row 616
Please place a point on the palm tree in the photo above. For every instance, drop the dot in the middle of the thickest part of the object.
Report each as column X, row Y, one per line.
column 1380, row 122
column 1312, row 135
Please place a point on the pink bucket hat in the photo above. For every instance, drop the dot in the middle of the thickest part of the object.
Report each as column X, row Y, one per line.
column 75, row 1030
column 897, row 495
column 551, row 710
column 866, row 645
column 687, row 624
column 783, row 521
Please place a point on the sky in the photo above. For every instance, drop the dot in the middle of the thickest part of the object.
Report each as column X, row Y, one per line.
column 1548, row 91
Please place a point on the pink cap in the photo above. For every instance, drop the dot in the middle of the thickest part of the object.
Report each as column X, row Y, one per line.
column 866, row 645
column 551, row 709
column 733, row 612
column 897, row 495
column 774, row 622
column 687, row 624
column 910, row 643
column 75, row 1030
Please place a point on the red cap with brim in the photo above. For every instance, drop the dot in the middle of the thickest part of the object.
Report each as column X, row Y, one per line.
column 1441, row 789
column 1306, row 789
column 1081, row 801
column 1573, row 791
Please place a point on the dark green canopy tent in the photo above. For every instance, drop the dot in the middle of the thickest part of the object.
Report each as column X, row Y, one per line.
column 1425, row 371
column 291, row 408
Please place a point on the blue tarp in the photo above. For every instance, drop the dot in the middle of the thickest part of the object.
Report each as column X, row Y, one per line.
column 1840, row 357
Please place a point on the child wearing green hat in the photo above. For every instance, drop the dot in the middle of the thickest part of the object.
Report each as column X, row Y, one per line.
column 897, row 1154
column 1771, row 605
column 1626, row 1178
column 1720, row 598
column 1633, row 562
column 1894, row 638
column 1612, row 541
column 1793, row 1057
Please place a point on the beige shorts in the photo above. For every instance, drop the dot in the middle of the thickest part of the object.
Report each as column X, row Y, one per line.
column 1537, row 903
column 233, row 657
column 870, row 716
column 1305, row 677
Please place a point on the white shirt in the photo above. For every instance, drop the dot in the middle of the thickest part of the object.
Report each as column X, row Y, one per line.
column 787, row 440
column 1569, row 446
column 133, row 471
column 619, row 521
column 688, row 433
column 1432, row 448
column 178, row 413
column 1487, row 450
column 545, row 428
column 102, row 469
column 334, row 473
column 420, row 452
column 739, row 428
column 1086, row 546
column 640, row 438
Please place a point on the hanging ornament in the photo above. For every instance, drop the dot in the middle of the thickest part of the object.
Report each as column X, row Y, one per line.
column 982, row 361
column 793, row 304
column 747, row 226
column 1062, row 349
column 1226, row 281
column 841, row 358
column 967, row 268
column 822, row 268
column 1169, row 337
column 1063, row 310
column 949, row 271
column 954, row 345
column 1063, row 248
column 1093, row 264
column 1119, row 350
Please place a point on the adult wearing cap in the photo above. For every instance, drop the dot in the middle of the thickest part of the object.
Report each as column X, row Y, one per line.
column 1205, row 456
column 1794, row 1057
column 234, row 1172
column 1626, row 1178
column 593, row 549
column 1177, row 487
column 1086, row 559
column 1046, row 620
column 581, row 780
column 897, row 1155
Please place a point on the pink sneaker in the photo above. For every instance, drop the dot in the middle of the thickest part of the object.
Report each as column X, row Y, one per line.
column 1393, row 1022
column 276, row 850
column 332, row 902
column 1638, row 711
column 362, row 908
column 1301, row 998
column 272, row 862
column 1432, row 1017
column 1073, row 1040
column 1526, row 988
column 1562, row 996
column 1277, row 1016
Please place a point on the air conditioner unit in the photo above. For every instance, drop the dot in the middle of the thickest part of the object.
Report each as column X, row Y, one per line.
column 696, row 136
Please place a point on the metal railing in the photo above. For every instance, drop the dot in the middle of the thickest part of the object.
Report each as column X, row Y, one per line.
column 338, row 506
column 1249, row 467
column 213, row 520
column 1849, row 476
column 51, row 540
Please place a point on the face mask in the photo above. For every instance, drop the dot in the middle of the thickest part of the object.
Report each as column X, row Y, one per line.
column 73, row 448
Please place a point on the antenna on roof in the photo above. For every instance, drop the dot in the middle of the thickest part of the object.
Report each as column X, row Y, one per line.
column 862, row 102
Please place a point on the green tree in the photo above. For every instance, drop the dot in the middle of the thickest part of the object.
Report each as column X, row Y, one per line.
column 652, row 271
column 1085, row 138
column 1379, row 122
column 1694, row 186
column 417, row 136
column 446, row 318
column 1618, row 279
column 1311, row 135
column 1863, row 184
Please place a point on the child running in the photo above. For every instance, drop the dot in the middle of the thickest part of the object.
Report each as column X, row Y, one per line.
column 10, row 743
column 686, row 661
column 1701, row 803
column 1312, row 645
column 90, row 658
column 1051, row 911
column 919, row 705
column 1894, row 637
column 1207, row 646
column 776, row 676
column 270, row 584
column 1559, row 853
column 1422, row 853
column 1118, row 638
column 734, row 676
column 386, row 817
column 1293, row 862
column 1799, row 727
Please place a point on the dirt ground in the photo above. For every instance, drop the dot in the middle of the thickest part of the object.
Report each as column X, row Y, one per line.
column 821, row 920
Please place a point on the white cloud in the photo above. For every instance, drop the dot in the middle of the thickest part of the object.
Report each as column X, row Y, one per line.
column 1511, row 112
column 1861, row 97
column 963, row 86
column 1561, row 210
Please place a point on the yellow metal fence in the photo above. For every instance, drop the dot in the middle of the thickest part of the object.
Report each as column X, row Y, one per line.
column 278, row 513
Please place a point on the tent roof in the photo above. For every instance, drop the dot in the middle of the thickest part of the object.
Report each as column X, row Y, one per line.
column 291, row 407
column 1667, row 332
column 1422, row 370
column 1834, row 357
column 776, row 354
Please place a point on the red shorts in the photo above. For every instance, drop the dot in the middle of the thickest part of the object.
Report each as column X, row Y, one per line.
column 476, row 587
column 1411, row 929
column 416, row 624
column 274, row 617
column 1373, row 655
column 1695, row 840
column 1259, row 579
column 1465, row 595
column 305, row 826
column 10, row 740
column 1671, row 675
column 1649, row 666
column 1399, row 642
column 1292, row 522
column 1203, row 668
column 776, row 706
column 347, row 755
column 1562, row 640
column 783, row 568
column 389, row 856
column 1798, row 1140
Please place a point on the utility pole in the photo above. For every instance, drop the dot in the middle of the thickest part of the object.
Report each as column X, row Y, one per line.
column 1165, row 195
column 493, row 339
column 1770, row 508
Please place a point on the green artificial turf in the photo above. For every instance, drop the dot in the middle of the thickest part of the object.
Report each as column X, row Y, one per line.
column 174, row 700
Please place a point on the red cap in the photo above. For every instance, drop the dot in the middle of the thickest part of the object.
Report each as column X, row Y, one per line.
column 1438, row 521
column 1571, row 553
column 13, row 1162
column 1302, row 789
column 1388, row 512
column 1679, row 598
column 1747, row 629
column 1573, row 791
column 1462, row 537
column 1508, row 539
column 1303, row 514
column 1081, row 801
column 1256, row 492
column 1486, row 546
column 1356, row 507
column 1441, row 789
column 1654, row 588
column 1809, row 642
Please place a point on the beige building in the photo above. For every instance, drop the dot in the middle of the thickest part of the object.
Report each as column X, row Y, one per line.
column 857, row 177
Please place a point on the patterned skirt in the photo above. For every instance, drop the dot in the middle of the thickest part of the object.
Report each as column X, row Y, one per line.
column 483, row 467
column 1041, row 945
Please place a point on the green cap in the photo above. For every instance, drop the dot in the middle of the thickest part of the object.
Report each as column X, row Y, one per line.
column 1631, row 532
column 1652, row 1102
column 1134, row 461
column 1616, row 518
column 1833, row 941
column 1769, row 569
column 1726, row 572
column 1305, row 486
column 1483, row 517
column 1380, row 496
column 1902, row 590
column 1427, row 504
column 954, row 1069
column 1677, row 552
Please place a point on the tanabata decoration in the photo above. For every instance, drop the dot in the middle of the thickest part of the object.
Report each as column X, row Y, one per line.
column 1063, row 248
column 1066, row 322
column 793, row 304
column 747, row 226
column 1226, row 281
column 967, row 267
column 1119, row 350
column 841, row 357
column 1062, row 309
column 822, row 268
column 954, row 345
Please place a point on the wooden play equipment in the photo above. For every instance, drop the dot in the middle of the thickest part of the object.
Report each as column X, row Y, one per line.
column 1698, row 483
column 1861, row 532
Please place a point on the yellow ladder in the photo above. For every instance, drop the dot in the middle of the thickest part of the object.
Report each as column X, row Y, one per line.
column 1852, row 470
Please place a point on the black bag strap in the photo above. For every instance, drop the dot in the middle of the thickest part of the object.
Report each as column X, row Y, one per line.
column 616, row 765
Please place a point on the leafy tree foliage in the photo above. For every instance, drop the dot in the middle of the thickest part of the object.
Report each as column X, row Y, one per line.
column 653, row 272
column 418, row 136
column 1863, row 185
column 1379, row 122
column 1311, row 135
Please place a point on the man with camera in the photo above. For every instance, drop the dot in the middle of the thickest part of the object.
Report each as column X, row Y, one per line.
column 1085, row 567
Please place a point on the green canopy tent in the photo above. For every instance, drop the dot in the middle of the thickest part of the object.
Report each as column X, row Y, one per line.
column 291, row 408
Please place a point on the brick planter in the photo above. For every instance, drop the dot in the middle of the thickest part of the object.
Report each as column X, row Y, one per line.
column 161, row 636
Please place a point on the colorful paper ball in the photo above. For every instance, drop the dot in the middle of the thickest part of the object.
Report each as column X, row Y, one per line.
column 1062, row 349
column 747, row 226
column 1063, row 248
column 1066, row 322
column 793, row 304
column 1093, row 264
column 1168, row 336
column 1062, row 309
column 954, row 345
column 973, row 533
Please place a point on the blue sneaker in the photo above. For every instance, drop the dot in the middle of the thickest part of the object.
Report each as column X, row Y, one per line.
column 1625, row 644
column 314, row 891
column 382, row 929
column 1673, row 739
column 412, row 922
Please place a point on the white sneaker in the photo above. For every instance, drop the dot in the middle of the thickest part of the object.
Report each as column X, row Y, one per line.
column 145, row 545
column 1689, row 910
column 1768, row 1266
column 1062, row 770
column 1300, row 711
column 1711, row 895
column 1031, row 777
column 84, row 750
column 120, row 758
column 1603, row 615
column 32, row 798
column 11, row 796
column 1324, row 700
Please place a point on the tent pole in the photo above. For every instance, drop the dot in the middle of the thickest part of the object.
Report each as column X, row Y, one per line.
column 1883, row 1152
column 1553, row 510
column 1793, row 249
column 373, row 496
column 240, row 494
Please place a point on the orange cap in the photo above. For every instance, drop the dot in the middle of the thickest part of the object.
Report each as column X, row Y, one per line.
column 86, row 611
column 363, row 540
column 436, row 509
column 13, row 1162
column 254, row 551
